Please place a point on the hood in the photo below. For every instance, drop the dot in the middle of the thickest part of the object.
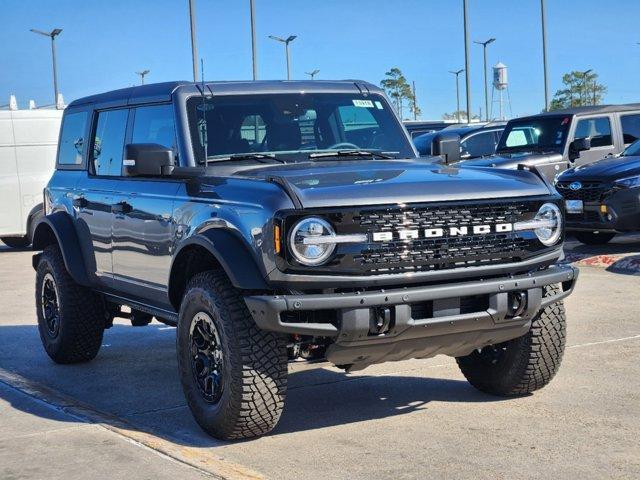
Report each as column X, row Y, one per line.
column 512, row 160
column 606, row 170
column 379, row 182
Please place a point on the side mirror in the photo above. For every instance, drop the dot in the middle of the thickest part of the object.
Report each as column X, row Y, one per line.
column 577, row 146
column 147, row 159
column 446, row 145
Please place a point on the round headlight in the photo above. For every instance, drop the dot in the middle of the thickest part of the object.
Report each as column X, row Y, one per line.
column 310, row 241
column 550, row 218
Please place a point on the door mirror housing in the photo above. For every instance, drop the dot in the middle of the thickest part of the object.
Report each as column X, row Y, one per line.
column 147, row 159
column 447, row 146
column 577, row 146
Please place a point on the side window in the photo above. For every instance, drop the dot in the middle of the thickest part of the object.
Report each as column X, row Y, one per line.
column 598, row 129
column 155, row 124
column 108, row 142
column 630, row 128
column 479, row 144
column 72, row 139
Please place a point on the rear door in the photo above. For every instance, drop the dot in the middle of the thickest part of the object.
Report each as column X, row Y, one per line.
column 95, row 191
column 143, row 227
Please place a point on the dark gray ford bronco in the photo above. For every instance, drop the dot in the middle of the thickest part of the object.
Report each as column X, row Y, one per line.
column 279, row 220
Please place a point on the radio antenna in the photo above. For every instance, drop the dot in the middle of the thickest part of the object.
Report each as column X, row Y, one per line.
column 203, row 124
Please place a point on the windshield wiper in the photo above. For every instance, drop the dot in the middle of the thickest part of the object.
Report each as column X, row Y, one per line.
column 260, row 157
column 349, row 153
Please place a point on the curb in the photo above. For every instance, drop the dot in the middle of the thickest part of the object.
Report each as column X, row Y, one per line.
column 197, row 458
column 629, row 265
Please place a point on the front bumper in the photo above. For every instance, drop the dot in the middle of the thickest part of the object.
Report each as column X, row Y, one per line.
column 622, row 213
column 448, row 328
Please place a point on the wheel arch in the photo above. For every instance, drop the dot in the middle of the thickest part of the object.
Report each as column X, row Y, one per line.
column 58, row 229
column 215, row 249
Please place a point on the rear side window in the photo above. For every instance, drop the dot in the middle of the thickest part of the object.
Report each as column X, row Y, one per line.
column 108, row 142
column 154, row 124
column 598, row 129
column 72, row 139
column 630, row 128
column 479, row 144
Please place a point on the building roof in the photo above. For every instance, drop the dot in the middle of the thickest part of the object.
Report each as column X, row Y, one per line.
column 157, row 92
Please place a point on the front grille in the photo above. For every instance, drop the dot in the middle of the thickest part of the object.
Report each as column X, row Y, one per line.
column 589, row 192
column 447, row 251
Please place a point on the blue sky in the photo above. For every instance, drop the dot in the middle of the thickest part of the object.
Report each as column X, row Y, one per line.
column 105, row 41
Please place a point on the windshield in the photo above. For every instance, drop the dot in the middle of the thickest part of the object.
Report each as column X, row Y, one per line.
column 293, row 126
column 632, row 150
column 535, row 134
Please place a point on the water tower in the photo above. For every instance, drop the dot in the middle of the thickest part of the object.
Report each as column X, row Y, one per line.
column 500, row 84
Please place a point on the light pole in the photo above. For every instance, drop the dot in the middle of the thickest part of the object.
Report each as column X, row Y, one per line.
column 544, row 54
column 466, row 59
column 52, row 34
column 194, row 46
column 286, row 42
column 486, row 91
column 457, row 73
column 143, row 74
column 584, row 93
column 313, row 73
column 254, row 46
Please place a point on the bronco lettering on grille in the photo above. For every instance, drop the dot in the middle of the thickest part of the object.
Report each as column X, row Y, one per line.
column 441, row 232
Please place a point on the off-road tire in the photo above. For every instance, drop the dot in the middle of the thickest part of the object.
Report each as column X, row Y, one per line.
column 16, row 242
column 140, row 319
column 254, row 362
column 524, row 364
column 81, row 313
column 592, row 238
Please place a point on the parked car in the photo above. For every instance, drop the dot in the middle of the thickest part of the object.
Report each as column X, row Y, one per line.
column 603, row 198
column 475, row 140
column 553, row 141
column 420, row 127
column 292, row 220
column 28, row 142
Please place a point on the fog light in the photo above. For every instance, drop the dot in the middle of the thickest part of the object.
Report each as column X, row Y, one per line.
column 516, row 304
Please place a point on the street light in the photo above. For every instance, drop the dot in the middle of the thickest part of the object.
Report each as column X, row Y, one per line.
column 544, row 54
column 254, row 46
column 52, row 34
column 486, row 91
column 286, row 42
column 457, row 73
column 313, row 73
column 194, row 46
column 143, row 74
column 466, row 59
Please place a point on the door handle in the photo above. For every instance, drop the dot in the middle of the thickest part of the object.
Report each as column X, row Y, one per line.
column 121, row 207
column 80, row 202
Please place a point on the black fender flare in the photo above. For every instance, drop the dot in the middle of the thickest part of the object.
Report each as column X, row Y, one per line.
column 233, row 255
column 59, row 228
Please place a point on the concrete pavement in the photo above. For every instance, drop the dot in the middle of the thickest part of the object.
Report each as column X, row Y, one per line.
column 416, row 419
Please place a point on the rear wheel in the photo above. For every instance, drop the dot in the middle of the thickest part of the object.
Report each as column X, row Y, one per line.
column 593, row 238
column 71, row 318
column 16, row 242
column 525, row 364
column 234, row 375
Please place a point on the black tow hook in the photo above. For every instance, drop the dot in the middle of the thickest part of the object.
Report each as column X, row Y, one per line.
column 516, row 304
column 380, row 321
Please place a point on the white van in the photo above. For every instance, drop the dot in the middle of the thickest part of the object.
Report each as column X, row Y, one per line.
column 28, row 144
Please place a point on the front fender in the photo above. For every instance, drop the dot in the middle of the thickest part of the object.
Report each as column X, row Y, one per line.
column 58, row 228
column 231, row 252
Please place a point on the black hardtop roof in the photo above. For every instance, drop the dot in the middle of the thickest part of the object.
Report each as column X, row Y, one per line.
column 159, row 92
column 587, row 110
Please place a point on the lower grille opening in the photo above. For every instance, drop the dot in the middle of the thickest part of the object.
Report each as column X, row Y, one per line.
column 310, row 316
column 473, row 304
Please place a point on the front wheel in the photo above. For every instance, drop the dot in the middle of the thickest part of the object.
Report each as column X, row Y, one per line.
column 594, row 238
column 525, row 364
column 233, row 374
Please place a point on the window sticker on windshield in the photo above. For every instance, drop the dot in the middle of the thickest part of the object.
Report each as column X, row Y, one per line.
column 379, row 105
column 363, row 103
